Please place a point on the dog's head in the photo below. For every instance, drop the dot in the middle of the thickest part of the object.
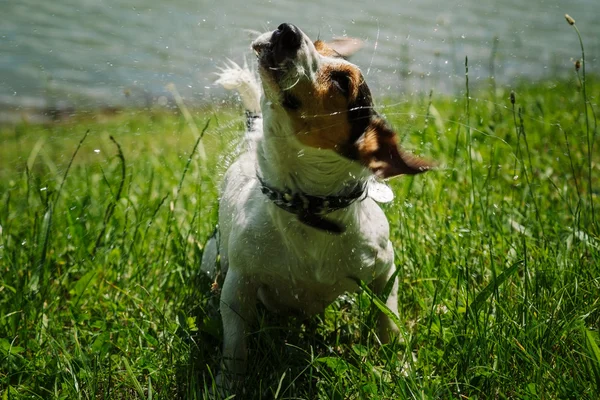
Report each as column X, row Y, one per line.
column 327, row 102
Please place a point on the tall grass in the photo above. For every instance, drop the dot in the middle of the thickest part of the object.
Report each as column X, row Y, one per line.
column 586, row 107
column 498, row 254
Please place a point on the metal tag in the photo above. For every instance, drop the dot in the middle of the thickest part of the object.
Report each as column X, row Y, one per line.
column 380, row 192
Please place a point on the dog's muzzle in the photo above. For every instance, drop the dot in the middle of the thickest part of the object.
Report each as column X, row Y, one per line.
column 283, row 44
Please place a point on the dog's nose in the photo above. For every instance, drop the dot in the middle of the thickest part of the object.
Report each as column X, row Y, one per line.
column 288, row 36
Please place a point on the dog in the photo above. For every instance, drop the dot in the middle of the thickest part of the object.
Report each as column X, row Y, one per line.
column 299, row 223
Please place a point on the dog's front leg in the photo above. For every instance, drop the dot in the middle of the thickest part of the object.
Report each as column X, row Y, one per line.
column 238, row 307
column 387, row 327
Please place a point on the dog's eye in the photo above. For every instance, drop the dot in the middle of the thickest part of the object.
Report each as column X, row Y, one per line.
column 341, row 81
column 290, row 101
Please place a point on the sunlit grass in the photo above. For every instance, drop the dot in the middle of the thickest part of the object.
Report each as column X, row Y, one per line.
column 498, row 251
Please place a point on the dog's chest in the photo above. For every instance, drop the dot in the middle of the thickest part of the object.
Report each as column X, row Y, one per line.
column 304, row 271
column 326, row 259
column 296, row 266
column 307, row 279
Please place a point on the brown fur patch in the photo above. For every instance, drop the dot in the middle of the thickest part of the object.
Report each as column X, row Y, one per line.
column 325, row 50
column 340, row 47
column 345, row 46
column 378, row 150
column 322, row 120
column 335, row 112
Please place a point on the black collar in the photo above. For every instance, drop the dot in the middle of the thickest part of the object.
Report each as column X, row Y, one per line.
column 311, row 209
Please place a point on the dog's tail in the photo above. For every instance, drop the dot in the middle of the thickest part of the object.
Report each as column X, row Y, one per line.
column 244, row 81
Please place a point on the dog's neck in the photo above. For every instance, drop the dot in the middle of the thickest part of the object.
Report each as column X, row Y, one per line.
column 287, row 164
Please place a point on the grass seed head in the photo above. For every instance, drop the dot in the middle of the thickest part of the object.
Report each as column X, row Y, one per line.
column 512, row 97
column 569, row 19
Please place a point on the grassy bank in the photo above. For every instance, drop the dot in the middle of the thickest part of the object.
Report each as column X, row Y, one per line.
column 498, row 252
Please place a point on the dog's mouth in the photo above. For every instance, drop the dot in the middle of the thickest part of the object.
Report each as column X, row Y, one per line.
column 274, row 49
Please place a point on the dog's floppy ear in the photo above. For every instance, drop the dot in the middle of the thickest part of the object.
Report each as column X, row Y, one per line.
column 378, row 150
column 339, row 47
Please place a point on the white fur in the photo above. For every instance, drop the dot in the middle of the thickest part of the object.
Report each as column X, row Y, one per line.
column 267, row 254
column 241, row 79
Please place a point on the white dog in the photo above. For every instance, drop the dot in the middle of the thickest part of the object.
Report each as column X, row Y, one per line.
column 299, row 224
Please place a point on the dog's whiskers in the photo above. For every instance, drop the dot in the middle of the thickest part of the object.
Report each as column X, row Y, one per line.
column 292, row 85
column 374, row 49
column 338, row 113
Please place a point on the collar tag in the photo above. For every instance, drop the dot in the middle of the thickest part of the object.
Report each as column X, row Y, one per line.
column 380, row 192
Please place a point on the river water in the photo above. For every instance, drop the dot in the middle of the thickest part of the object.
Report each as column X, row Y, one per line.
column 74, row 54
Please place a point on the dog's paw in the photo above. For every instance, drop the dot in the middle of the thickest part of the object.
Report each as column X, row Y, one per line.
column 226, row 387
column 388, row 330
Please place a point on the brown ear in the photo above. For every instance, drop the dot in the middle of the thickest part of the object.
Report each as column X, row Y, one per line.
column 339, row 47
column 378, row 150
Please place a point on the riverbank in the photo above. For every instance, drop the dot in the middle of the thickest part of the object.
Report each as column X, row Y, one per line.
column 103, row 219
column 71, row 54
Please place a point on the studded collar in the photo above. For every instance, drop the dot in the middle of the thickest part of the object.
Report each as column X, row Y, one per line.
column 310, row 209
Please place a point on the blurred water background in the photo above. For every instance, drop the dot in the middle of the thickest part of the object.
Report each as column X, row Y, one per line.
column 68, row 55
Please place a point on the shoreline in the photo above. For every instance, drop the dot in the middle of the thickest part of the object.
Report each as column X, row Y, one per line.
column 44, row 111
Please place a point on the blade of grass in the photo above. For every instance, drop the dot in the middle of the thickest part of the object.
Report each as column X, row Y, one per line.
column 111, row 206
column 136, row 384
column 586, row 102
column 485, row 294
column 594, row 352
column 380, row 304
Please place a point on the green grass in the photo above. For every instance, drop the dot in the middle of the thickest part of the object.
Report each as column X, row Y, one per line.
column 498, row 253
